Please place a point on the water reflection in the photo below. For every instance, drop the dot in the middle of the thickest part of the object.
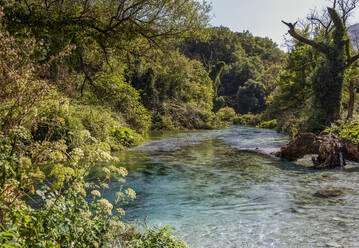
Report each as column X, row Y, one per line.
column 218, row 194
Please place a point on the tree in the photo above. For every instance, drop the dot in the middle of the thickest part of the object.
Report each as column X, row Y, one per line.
column 244, row 56
column 215, row 75
column 328, row 78
column 177, row 90
column 107, row 26
column 251, row 97
column 21, row 86
column 107, row 21
column 294, row 84
column 221, row 45
column 353, row 76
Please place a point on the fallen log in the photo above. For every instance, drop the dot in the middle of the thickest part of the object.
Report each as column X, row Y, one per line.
column 332, row 151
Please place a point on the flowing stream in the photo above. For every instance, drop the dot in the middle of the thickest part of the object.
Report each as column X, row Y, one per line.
column 218, row 191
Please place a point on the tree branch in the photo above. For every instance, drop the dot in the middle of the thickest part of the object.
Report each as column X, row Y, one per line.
column 353, row 59
column 321, row 47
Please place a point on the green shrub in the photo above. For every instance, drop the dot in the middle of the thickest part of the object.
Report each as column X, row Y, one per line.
column 111, row 90
column 268, row 124
column 179, row 115
column 68, row 212
column 346, row 130
column 314, row 124
column 248, row 120
column 126, row 136
column 218, row 103
column 163, row 122
column 94, row 124
column 251, row 97
column 158, row 237
column 177, row 90
column 226, row 114
column 83, row 126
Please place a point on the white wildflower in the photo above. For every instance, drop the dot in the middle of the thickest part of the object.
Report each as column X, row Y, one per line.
column 104, row 185
column 49, row 204
column 87, row 214
column 121, row 225
column 122, row 171
column 131, row 193
column 106, row 171
column 79, row 188
column 119, row 194
column 121, row 211
column 121, row 180
column 105, row 205
column 85, row 134
column 96, row 193
column 104, row 156
column 119, row 170
column 76, row 154
column 95, row 244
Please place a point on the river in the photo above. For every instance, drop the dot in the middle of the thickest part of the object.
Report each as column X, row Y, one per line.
column 217, row 191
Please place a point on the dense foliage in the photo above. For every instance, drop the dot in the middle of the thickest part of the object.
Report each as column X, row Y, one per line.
column 244, row 68
column 68, row 102
column 348, row 130
column 178, row 91
column 290, row 102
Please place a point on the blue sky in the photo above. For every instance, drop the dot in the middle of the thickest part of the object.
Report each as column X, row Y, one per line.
column 263, row 17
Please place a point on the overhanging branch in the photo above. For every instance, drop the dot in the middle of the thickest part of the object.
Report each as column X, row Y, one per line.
column 321, row 47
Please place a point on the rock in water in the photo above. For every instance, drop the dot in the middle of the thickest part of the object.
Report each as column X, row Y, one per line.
column 327, row 193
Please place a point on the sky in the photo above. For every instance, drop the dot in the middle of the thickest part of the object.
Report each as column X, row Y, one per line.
column 263, row 17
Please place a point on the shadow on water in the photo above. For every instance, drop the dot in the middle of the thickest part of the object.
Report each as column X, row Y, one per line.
column 217, row 193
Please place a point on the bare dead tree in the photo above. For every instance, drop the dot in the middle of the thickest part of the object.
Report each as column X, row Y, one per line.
column 322, row 19
column 345, row 8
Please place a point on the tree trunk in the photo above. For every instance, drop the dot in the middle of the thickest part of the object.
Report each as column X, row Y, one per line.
column 351, row 100
column 331, row 150
column 333, row 115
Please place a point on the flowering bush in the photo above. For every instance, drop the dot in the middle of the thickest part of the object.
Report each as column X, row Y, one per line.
column 62, row 213
column 47, row 148
column 44, row 193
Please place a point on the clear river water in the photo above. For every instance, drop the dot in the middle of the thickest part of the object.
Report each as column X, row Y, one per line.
column 218, row 191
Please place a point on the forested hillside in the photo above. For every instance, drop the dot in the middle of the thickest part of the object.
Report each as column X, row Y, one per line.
column 244, row 68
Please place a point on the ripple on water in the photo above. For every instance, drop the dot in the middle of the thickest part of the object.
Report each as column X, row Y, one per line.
column 217, row 195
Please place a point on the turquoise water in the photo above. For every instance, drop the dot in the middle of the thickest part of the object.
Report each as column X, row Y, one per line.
column 218, row 191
